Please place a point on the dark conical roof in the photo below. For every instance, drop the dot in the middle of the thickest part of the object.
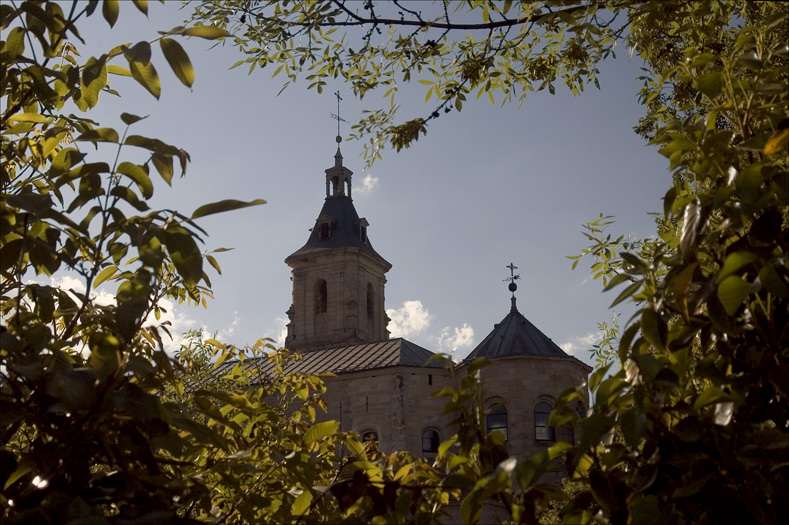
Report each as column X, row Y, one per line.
column 344, row 224
column 516, row 336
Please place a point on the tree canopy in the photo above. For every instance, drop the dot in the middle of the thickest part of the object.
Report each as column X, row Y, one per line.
column 688, row 421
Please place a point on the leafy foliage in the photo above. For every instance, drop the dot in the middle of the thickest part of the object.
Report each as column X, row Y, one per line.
column 689, row 423
column 506, row 50
column 84, row 433
column 700, row 398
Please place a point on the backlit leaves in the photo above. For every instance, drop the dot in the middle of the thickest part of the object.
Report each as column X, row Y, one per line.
column 146, row 75
column 223, row 206
column 451, row 52
column 178, row 60
column 711, row 284
column 83, row 373
column 110, row 9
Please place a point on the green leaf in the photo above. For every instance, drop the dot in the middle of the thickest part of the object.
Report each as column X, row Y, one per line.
column 732, row 292
column 734, row 262
column 164, row 165
column 627, row 292
column 142, row 5
column 103, row 275
column 178, row 60
column 118, row 70
column 130, row 119
column 355, row 447
column 184, row 253
column 110, row 10
column 772, row 281
column 146, row 75
column 94, row 79
column 138, row 175
column 212, row 261
column 22, row 469
column 632, row 422
column 207, row 32
column 710, row 83
column 712, row 394
column 442, row 449
column 457, row 481
column 99, row 135
column 15, row 43
column 653, row 327
column 223, row 206
column 30, row 117
column 139, row 52
column 320, row 431
column 155, row 145
column 302, row 503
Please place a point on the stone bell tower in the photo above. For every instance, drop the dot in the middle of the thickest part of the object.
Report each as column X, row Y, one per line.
column 338, row 278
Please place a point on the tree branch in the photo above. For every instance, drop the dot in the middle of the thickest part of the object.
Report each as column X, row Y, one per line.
column 374, row 20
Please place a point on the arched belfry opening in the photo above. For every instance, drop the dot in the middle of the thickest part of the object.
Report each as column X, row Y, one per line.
column 338, row 178
column 321, row 297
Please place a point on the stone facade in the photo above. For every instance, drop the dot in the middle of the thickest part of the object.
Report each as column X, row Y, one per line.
column 394, row 403
column 354, row 299
column 519, row 384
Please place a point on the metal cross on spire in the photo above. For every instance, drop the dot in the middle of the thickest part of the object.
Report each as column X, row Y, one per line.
column 512, row 278
column 337, row 116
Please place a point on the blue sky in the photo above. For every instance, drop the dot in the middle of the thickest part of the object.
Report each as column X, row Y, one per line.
column 486, row 187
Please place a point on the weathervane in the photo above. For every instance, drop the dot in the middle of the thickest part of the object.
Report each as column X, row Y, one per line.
column 337, row 116
column 512, row 278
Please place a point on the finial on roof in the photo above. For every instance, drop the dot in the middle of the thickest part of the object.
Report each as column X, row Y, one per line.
column 338, row 118
column 512, row 278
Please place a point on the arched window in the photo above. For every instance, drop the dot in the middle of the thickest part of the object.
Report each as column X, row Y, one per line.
column 370, row 300
column 320, row 296
column 542, row 432
column 430, row 441
column 497, row 420
column 370, row 438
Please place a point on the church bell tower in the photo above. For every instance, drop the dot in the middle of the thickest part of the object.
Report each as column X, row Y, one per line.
column 338, row 278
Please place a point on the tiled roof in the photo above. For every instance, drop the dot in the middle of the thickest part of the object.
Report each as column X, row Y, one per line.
column 344, row 229
column 352, row 358
column 516, row 336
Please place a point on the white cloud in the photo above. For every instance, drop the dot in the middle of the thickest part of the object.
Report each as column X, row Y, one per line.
column 368, row 183
column 584, row 342
column 411, row 319
column 67, row 283
column 226, row 332
column 452, row 339
column 179, row 323
column 280, row 332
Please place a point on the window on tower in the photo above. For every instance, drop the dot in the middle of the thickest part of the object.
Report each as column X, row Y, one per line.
column 320, row 297
column 370, row 301
column 325, row 231
column 362, row 224
column 430, row 441
column 370, row 438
